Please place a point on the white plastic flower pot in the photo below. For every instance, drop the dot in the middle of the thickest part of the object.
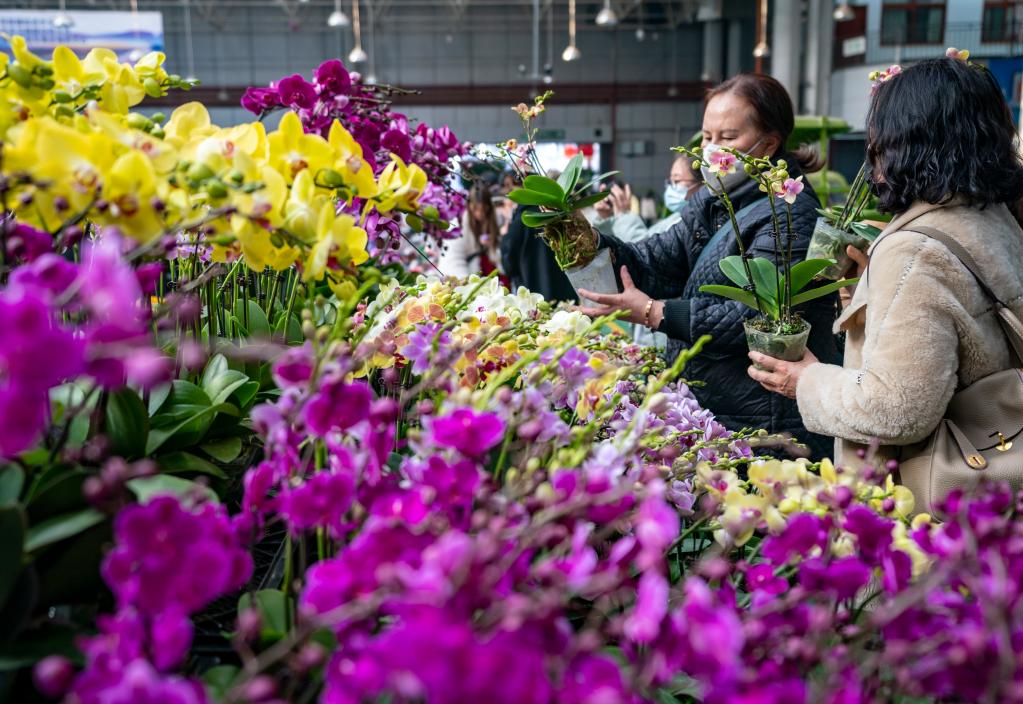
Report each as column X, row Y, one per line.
column 598, row 276
column 789, row 348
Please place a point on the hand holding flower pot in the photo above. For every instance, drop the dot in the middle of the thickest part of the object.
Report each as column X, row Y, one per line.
column 838, row 228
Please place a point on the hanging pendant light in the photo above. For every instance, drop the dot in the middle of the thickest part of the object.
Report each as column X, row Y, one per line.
column 337, row 18
column 62, row 20
column 843, row 13
column 607, row 17
column 762, row 50
column 571, row 52
column 357, row 55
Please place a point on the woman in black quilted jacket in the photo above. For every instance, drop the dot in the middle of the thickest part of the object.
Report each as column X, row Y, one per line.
column 662, row 275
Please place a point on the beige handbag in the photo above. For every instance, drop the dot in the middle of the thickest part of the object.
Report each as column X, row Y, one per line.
column 981, row 435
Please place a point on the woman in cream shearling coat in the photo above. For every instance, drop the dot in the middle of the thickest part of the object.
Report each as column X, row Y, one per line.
column 919, row 327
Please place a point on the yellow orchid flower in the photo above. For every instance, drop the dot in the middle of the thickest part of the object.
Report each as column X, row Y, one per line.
column 337, row 239
column 257, row 246
column 70, row 73
column 292, row 150
column 130, row 190
column 304, row 206
column 122, row 89
column 400, row 186
column 150, row 71
column 348, row 161
column 19, row 47
column 188, row 123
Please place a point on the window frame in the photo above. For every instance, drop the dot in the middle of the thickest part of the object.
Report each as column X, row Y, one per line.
column 911, row 6
column 1010, row 29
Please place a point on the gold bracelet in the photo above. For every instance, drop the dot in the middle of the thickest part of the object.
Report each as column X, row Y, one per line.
column 646, row 313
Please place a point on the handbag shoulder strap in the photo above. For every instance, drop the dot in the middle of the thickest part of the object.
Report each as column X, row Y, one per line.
column 1010, row 323
column 724, row 231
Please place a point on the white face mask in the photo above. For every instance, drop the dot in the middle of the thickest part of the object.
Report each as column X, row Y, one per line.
column 726, row 181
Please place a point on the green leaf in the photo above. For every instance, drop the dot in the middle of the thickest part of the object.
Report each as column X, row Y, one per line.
column 157, row 396
column 219, row 382
column 189, row 430
column 732, row 268
column 570, row 176
column 802, row 273
column 146, row 488
column 867, row 232
column 272, row 606
column 61, row 528
column 245, row 394
column 540, row 219
column 179, row 462
column 127, row 423
column 736, row 294
column 185, row 398
column 218, row 681
column 224, row 449
column 12, row 538
column 587, row 201
column 542, row 184
column 258, row 325
column 12, row 480
column 524, row 196
column 595, row 181
column 62, row 399
column 766, row 278
column 815, row 293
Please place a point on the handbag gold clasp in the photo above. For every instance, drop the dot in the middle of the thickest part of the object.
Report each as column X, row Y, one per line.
column 976, row 461
column 1003, row 445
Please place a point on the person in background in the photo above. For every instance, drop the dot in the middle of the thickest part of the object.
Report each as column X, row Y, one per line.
column 943, row 157
column 507, row 184
column 476, row 250
column 615, row 216
column 662, row 275
column 648, row 208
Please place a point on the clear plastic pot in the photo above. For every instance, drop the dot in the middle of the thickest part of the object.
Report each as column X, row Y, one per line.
column 789, row 348
column 829, row 242
column 598, row 276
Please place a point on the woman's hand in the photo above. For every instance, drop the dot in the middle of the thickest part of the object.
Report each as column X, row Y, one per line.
column 603, row 207
column 631, row 299
column 621, row 199
column 861, row 259
column 779, row 376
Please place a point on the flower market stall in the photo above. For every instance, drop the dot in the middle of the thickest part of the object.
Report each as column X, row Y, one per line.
column 248, row 455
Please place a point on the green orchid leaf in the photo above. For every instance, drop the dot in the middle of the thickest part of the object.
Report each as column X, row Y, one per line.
column 255, row 323
column 867, row 232
column 587, row 201
column 12, row 481
column 570, row 176
column 223, row 449
column 148, row 488
column 766, row 279
column 802, row 273
column 540, row 219
column 61, row 527
column 524, row 196
column 732, row 268
column 736, row 294
column 542, row 184
column 180, row 462
column 594, row 182
column 272, row 607
column 127, row 424
column 815, row 293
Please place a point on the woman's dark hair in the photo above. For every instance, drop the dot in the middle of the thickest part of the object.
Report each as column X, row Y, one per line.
column 772, row 111
column 479, row 194
column 941, row 129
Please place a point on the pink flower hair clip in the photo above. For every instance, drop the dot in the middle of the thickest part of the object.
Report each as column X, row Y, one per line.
column 879, row 77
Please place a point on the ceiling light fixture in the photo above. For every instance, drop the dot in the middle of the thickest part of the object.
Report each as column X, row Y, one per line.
column 844, row 13
column 571, row 52
column 607, row 17
column 357, row 55
column 337, row 18
column 62, row 20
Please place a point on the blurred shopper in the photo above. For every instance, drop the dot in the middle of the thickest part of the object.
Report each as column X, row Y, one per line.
column 477, row 250
column 615, row 216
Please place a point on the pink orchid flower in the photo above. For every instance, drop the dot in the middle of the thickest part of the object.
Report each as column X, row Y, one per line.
column 789, row 189
column 721, row 163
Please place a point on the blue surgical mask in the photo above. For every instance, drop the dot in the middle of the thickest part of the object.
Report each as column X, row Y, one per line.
column 674, row 197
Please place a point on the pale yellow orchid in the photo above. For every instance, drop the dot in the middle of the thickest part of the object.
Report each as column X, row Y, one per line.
column 338, row 240
column 189, row 123
column 70, row 73
column 349, row 162
column 122, row 89
column 292, row 150
column 131, row 191
column 400, row 186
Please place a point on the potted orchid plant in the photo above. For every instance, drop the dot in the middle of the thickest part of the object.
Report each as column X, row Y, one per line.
column 775, row 289
column 564, row 229
column 838, row 227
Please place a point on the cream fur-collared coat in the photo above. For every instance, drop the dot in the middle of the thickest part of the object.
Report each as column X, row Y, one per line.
column 918, row 329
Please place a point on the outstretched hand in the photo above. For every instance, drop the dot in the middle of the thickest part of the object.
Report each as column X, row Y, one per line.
column 777, row 375
column 631, row 299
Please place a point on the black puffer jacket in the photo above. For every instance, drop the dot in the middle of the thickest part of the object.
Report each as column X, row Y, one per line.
column 662, row 267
